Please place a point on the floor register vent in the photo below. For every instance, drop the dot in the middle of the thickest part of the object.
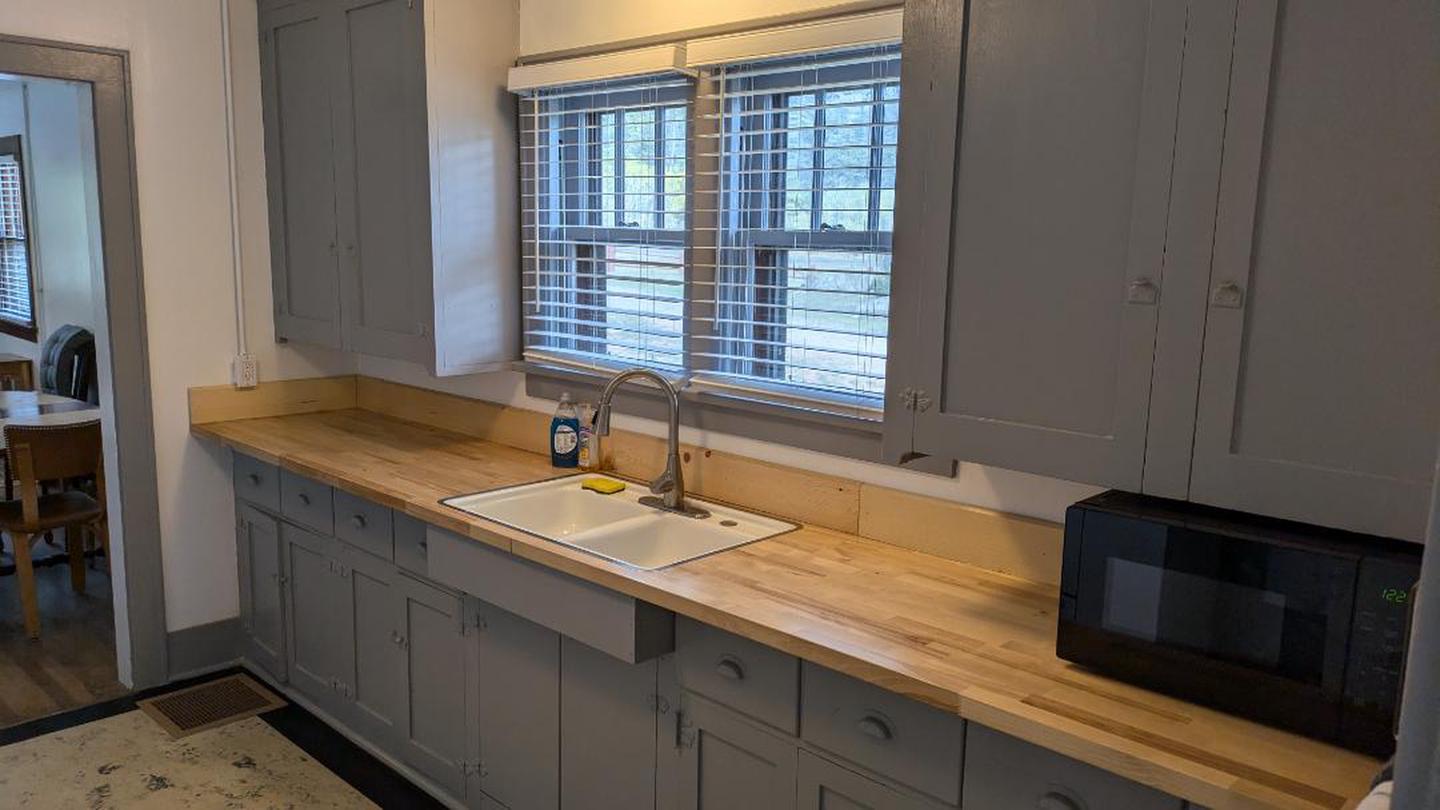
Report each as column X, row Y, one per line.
column 209, row 705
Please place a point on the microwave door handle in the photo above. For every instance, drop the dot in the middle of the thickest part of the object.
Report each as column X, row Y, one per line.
column 1405, row 659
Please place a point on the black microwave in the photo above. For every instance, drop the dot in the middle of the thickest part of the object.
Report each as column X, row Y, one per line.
column 1295, row 626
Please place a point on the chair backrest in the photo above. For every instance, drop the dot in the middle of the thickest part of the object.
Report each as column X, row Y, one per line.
column 52, row 452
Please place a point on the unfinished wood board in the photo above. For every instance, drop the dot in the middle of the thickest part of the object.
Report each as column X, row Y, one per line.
column 1011, row 544
column 218, row 403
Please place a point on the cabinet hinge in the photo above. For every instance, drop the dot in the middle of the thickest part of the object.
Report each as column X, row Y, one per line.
column 658, row 703
column 474, row 767
column 472, row 624
column 684, row 731
column 915, row 399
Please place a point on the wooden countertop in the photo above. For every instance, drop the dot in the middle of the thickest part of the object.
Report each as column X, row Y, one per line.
column 957, row 637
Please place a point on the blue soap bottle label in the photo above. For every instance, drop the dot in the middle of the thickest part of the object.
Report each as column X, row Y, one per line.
column 565, row 435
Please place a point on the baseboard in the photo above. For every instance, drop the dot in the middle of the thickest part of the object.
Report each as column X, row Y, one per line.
column 203, row 649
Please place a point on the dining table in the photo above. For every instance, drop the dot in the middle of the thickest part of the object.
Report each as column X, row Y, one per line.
column 38, row 408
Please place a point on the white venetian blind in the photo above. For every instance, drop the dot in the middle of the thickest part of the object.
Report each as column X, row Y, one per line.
column 795, row 194
column 15, row 301
column 605, row 222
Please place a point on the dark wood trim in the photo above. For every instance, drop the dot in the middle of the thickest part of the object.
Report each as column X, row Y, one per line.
column 13, row 145
column 19, row 330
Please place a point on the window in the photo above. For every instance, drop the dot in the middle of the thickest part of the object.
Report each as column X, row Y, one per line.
column 17, row 301
column 605, row 201
column 806, row 204
column 734, row 229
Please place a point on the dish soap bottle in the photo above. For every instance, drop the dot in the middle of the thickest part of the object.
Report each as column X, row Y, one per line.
column 565, row 435
column 589, row 451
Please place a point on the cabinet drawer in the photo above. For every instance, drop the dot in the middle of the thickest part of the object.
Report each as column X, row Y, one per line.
column 257, row 482
column 410, row 550
column 891, row 735
column 306, row 502
column 748, row 677
column 1002, row 771
column 364, row 524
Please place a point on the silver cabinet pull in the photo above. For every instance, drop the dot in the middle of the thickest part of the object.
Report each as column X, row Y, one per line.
column 1056, row 801
column 875, row 728
column 1227, row 295
column 730, row 669
column 1142, row 291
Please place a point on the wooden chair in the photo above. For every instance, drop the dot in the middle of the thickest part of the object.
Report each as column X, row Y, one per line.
column 51, row 453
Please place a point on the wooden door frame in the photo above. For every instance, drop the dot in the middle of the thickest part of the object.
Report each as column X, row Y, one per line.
column 139, row 597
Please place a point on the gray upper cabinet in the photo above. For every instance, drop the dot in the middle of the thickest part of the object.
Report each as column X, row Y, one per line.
column 391, row 158
column 1321, row 374
column 1223, row 290
column 1023, row 325
column 298, row 105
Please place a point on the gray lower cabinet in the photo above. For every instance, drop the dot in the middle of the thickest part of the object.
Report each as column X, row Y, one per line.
column 435, row 724
column 608, row 730
column 519, row 710
column 318, row 626
column 824, row 785
column 728, row 761
column 375, row 671
column 262, row 589
column 1003, row 773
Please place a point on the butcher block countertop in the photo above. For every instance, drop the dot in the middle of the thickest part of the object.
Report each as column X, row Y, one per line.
column 957, row 637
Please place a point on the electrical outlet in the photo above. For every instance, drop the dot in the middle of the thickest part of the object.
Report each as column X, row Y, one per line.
column 244, row 372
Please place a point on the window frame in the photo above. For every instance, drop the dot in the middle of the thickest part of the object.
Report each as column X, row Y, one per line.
column 11, row 145
column 795, row 419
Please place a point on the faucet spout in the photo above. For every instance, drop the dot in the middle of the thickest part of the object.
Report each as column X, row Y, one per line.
column 670, row 484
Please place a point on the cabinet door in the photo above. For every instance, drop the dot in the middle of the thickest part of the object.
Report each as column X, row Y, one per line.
column 519, row 695
column 262, row 615
column 297, row 44
column 318, row 620
column 823, row 785
column 373, row 681
column 1319, row 387
column 1024, row 323
column 727, row 761
column 383, row 180
column 434, row 707
column 607, row 730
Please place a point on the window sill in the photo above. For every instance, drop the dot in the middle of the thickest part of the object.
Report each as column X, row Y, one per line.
column 27, row 332
column 709, row 409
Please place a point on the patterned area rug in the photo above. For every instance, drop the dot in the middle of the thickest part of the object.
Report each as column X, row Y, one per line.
column 128, row 761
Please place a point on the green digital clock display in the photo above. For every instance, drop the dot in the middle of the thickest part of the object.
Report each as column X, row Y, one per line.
column 1396, row 596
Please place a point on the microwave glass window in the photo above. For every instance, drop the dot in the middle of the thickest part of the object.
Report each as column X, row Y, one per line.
column 1222, row 619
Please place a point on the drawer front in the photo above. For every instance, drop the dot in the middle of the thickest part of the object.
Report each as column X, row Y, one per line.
column 738, row 673
column 257, row 482
column 410, row 548
column 898, row 738
column 364, row 524
column 1002, row 771
column 306, row 502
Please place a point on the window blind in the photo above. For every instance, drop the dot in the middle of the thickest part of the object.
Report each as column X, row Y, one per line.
column 15, row 295
column 605, row 218
column 795, row 197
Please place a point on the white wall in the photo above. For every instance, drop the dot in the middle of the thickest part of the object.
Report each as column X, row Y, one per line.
column 560, row 25
column 53, row 118
column 185, row 239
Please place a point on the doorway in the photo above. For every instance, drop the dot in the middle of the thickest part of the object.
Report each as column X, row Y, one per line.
column 101, row 626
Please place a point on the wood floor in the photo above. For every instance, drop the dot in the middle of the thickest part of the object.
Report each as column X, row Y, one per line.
column 73, row 663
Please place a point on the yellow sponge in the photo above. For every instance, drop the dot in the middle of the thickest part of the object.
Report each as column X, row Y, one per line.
column 604, row 486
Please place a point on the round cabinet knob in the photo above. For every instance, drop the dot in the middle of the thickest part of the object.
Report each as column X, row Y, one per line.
column 730, row 669
column 875, row 728
column 304, row 499
column 1227, row 295
column 1057, row 801
column 1142, row 291
column 358, row 521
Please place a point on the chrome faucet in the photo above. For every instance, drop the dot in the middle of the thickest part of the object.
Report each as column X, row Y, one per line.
column 670, row 485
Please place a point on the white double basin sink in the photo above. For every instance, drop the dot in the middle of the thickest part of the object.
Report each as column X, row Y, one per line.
column 617, row 527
